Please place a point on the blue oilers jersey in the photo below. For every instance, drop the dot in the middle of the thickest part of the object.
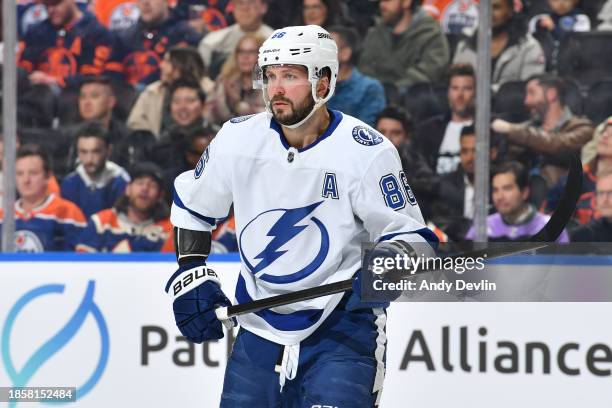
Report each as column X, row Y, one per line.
column 94, row 195
column 55, row 225
column 301, row 214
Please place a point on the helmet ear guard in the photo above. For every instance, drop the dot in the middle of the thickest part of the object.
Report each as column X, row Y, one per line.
column 309, row 46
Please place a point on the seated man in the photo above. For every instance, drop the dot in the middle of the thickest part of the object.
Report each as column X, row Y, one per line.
column 97, row 182
column 139, row 50
column 43, row 222
column 138, row 222
column 68, row 44
column 96, row 102
column 600, row 229
column 516, row 219
column 356, row 94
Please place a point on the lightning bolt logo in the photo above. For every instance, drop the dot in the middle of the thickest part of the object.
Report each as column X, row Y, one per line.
column 282, row 232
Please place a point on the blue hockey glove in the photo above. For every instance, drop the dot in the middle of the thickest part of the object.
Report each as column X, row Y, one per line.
column 365, row 277
column 197, row 293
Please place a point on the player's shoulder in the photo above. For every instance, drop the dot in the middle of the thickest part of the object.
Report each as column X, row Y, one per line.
column 359, row 137
column 241, row 131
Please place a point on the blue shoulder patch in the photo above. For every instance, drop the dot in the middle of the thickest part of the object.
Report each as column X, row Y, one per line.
column 366, row 136
column 199, row 169
column 241, row 118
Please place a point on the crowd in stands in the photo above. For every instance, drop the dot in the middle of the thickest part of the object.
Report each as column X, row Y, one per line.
column 118, row 97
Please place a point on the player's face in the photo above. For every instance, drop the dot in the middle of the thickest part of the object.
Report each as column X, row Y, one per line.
column 143, row 193
column 562, row 7
column 185, row 106
column 248, row 13
column 507, row 196
column 461, row 95
column 246, row 55
column 60, row 12
column 96, row 101
column 31, row 179
column 467, row 153
column 391, row 11
column 92, row 153
column 152, row 10
column 535, row 99
column 501, row 13
column 393, row 130
column 314, row 12
column 290, row 93
column 604, row 196
column 604, row 144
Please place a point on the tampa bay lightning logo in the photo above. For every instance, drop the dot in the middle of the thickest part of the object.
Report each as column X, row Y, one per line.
column 241, row 118
column 299, row 244
column 199, row 169
column 366, row 136
column 48, row 350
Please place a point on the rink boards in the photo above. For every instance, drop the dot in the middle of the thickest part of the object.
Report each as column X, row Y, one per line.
column 104, row 325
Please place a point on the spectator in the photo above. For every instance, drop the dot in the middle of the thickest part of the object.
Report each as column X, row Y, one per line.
column 43, row 222
column 117, row 15
column 52, row 185
column 438, row 138
column 600, row 229
column 453, row 206
column 215, row 47
column 196, row 141
column 97, row 182
column 67, row 44
column 323, row 13
column 552, row 131
column 233, row 94
column 564, row 17
column 454, row 16
column 150, row 112
column 586, row 208
column 96, row 102
column 515, row 54
column 138, row 222
column 205, row 16
column 516, row 219
column 224, row 237
column 396, row 125
column 356, row 94
column 186, row 109
column 139, row 49
column 550, row 29
column 407, row 46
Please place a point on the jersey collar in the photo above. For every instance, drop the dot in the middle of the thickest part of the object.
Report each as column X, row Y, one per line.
column 335, row 119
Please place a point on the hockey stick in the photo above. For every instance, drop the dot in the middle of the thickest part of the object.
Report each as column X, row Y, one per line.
column 546, row 236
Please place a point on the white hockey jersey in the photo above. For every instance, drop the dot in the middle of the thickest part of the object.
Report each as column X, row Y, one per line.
column 301, row 214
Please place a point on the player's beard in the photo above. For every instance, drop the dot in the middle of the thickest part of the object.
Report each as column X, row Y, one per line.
column 298, row 113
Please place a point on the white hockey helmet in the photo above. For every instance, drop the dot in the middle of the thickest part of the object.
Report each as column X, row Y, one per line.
column 310, row 46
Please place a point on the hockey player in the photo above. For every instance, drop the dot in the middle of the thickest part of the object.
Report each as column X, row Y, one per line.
column 308, row 186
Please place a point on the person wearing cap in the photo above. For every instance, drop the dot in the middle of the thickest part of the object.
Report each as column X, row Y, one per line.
column 138, row 222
